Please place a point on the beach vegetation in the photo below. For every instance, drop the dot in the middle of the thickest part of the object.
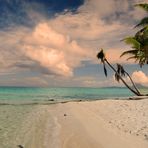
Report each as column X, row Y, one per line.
column 139, row 42
column 139, row 52
column 119, row 73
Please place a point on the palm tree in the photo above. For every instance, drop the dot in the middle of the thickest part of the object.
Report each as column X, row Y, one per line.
column 144, row 21
column 139, row 42
column 119, row 73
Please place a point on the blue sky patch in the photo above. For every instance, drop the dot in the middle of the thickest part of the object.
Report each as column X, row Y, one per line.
column 15, row 12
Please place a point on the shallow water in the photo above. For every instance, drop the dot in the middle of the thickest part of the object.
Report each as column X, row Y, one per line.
column 11, row 119
column 20, row 114
column 16, row 95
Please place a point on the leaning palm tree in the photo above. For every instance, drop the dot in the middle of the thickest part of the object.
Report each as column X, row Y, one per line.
column 139, row 42
column 119, row 73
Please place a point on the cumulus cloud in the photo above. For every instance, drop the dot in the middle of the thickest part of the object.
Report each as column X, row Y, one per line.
column 140, row 77
column 53, row 50
column 56, row 46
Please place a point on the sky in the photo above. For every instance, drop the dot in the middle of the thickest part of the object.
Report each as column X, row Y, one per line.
column 48, row 43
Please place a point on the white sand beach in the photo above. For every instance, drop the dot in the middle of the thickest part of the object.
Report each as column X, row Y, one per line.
column 95, row 124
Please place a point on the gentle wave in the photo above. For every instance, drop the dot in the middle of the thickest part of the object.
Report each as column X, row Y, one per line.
column 20, row 95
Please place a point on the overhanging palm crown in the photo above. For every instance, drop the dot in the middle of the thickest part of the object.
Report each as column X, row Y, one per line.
column 139, row 42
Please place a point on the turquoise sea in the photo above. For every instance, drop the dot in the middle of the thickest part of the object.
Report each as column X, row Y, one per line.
column 40, row 95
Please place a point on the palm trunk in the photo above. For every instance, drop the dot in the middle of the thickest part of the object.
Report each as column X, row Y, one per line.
column 133, row 82
column 135, row 92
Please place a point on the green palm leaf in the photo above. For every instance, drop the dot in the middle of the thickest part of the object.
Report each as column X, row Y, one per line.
column 132, row 41
column 132, row 52
column 133, row 57
column 143, row 22
column 143, row 6
column 142, row 36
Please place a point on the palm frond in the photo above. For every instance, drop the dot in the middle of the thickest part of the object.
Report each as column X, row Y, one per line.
column 120, row 70
column 138, row 55
column 144, row 6
column 143, row 22
column 131, row 52
column 141, row 31
column 117, row 77
column 139, row 42
column 132, row 41
column 133, row 57
column 142, row 35
column 105, row 70
column 101, row 55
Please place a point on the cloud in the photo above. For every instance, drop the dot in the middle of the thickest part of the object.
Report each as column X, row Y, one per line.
column 53, row 50
column 112, row 10
column 36, row 81
column 140, row 77
column 49, row 49
column 95, row 28
column 28, row 81
column 57, row 45
column 83, row 26
column 113, row 55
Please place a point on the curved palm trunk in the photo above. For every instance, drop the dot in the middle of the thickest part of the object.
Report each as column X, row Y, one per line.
column 135, row 92
column 133, row 82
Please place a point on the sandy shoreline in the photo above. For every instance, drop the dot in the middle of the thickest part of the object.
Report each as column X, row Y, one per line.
column 95, row 124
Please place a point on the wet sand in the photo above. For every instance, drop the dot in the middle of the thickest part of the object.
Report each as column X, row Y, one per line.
column 95, row 124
